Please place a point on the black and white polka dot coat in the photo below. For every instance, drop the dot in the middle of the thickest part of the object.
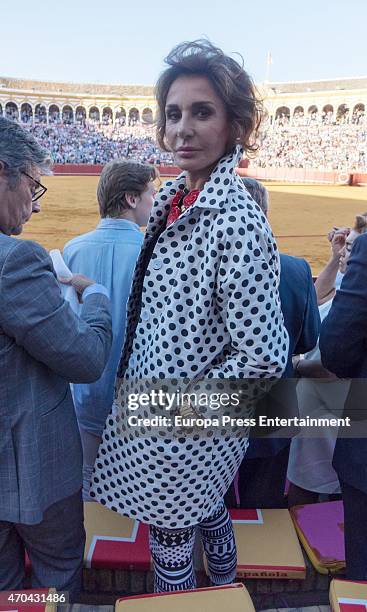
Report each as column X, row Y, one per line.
column 204, row 303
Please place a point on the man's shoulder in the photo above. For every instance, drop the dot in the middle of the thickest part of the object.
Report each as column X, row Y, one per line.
column 293, row 260
column 291, row 263
column 104, row 236
column 81, row 239
column 360, row 245
column 295, row 277
column 7, row 243
column 21, row 260
column 8, row 246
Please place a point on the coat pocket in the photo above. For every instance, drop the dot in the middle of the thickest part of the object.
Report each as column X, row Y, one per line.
column 60, row 451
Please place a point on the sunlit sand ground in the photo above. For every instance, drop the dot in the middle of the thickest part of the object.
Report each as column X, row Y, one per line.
column 300, row 215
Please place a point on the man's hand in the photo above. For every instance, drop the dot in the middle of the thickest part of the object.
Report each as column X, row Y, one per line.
column 312, row 368
column 78, row 281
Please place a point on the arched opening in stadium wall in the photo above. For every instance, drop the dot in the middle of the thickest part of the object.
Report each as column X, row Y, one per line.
column 134, row 117
column 107, row 115
column 313, row 112
column 120, row 116
column 342, row 112
column 26, row 113
column 94, row 114
column 54, row 114
column 11, row 110
column 40, row 114
column 298, row 114
column 328, row 113
column 358, row 112
column 80, row 115
column 67, row 115
column 282, row 115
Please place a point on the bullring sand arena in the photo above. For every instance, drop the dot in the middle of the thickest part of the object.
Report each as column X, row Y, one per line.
column 300, row 215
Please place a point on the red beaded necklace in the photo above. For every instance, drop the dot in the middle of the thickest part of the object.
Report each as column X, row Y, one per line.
column 181, row 202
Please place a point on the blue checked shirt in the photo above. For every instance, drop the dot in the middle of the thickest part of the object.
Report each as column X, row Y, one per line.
column 107, row 255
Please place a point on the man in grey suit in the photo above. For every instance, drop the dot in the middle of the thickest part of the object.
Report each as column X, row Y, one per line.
column 43, row 347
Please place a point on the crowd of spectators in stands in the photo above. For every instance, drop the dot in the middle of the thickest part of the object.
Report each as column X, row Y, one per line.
column 96, row 143
column 318, row 141
column 91, row 141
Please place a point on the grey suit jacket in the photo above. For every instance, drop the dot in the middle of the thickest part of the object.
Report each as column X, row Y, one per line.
column 43, row 347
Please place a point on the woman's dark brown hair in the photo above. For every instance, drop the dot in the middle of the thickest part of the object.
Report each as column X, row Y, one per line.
column 229, row 80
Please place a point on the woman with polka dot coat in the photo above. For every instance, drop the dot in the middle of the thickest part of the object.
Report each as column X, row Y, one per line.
column 204, row 305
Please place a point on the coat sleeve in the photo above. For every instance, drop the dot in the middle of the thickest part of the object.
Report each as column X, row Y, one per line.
column 343, row 337
column 36, row 316
column 311, row 319
column 248, row 298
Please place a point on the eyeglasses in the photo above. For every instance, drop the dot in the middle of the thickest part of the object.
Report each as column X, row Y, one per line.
column 37, row 190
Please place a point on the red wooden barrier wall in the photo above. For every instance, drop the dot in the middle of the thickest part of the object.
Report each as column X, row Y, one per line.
column 296, row 175
column 359, row 179
column 288, row 175
column 96, row 169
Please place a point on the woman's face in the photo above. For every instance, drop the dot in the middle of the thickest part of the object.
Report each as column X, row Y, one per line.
column 346, row 250
column 197, row 128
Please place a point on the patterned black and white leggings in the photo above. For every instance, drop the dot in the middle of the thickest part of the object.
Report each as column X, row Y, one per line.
column 172, row 553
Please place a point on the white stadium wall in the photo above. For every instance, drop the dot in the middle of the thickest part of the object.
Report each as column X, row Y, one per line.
column 118, row 102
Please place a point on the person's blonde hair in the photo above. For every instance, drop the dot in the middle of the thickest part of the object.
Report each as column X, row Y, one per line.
column 118, row 178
